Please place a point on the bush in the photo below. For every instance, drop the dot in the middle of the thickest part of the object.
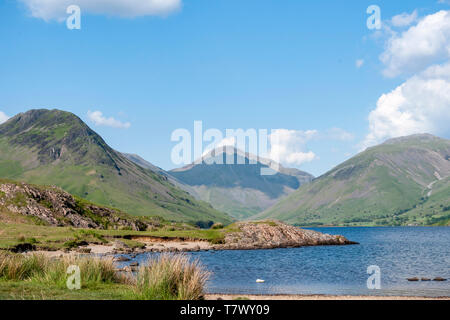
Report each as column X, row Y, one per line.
column 171, row 277
column 204, row 224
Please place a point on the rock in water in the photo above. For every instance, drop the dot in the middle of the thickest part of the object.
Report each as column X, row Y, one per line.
column 439, row 279
column 413, row 279
column 275, row 234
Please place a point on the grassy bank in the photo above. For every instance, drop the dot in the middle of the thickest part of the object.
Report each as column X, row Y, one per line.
column 168, row 277
column 41, row 237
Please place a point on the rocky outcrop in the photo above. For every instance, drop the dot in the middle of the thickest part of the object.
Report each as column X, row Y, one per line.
column 56, row 207
column 245, row 236
column 274, row 234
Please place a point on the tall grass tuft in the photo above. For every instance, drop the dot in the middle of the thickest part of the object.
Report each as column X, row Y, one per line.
column 40, row 268
column 93, row 271
column 166, row 277
column 18, row 267
column 171, row 277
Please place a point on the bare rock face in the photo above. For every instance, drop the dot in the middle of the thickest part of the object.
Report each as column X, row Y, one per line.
column 58, row 208
column 274, row 234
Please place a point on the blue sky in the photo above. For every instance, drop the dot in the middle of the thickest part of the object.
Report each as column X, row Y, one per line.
column 265, row 64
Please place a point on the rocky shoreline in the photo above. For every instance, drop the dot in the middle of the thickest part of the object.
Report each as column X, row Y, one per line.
column 293, row 297
column 248, row 236
column 260, row 235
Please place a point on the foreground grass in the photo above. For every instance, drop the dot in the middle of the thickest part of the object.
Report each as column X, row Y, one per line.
column 156, row 280
column 168, row 277
column 27, row 290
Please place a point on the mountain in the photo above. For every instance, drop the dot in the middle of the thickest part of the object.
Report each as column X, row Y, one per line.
column 404, row 181
column 56, row 147
column 147, row 165
column 238, row 189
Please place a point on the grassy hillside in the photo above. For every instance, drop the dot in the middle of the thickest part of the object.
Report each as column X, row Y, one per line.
column 404, row 181
column 57, row 148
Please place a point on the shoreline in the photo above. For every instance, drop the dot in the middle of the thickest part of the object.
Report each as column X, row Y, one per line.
column 317, row 297
column 108, row 251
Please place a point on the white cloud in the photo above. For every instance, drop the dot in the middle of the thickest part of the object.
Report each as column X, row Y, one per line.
column 404, row 19
column 419, row 105
column 421, row 45
column 225, row 142
column 287, row 146
column 3, row 117
column 339, row 134
column 359, row 63
column 99, row 120
column 56, row 9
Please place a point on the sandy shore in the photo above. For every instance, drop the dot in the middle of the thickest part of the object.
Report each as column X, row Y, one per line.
column 173, row 245
column 313, row 297
column 151, row 246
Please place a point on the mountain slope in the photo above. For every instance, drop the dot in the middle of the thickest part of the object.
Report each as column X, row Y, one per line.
column 395, row 183
column 147, row 165
column 238, row 189
column 56, row 147
column 54, row 207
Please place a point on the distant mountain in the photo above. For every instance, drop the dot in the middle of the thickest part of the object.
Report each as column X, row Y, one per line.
column 56, row 147
column 404, row 181
column 238, row 189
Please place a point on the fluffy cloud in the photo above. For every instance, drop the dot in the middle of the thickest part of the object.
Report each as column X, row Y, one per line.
column 422, row 103
column 287, row 146
column 339, row 134
column 419, row 105
column 421, row 45
column 56, row 9
column 99, row 120
column 359, row 63
column 404, row 19
column 3, row 117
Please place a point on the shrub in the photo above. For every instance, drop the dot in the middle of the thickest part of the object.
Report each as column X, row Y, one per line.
column 204, row 224
column 217, row 225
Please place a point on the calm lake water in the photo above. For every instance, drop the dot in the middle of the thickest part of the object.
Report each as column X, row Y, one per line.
column 400, row 252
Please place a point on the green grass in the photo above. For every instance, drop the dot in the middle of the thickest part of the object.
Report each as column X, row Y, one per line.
column 58, row 238
column 37, row 277
column 26, row 290
column 41, row 269
column 269, row 223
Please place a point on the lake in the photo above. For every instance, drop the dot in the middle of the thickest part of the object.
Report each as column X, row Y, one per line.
column 400, row 253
